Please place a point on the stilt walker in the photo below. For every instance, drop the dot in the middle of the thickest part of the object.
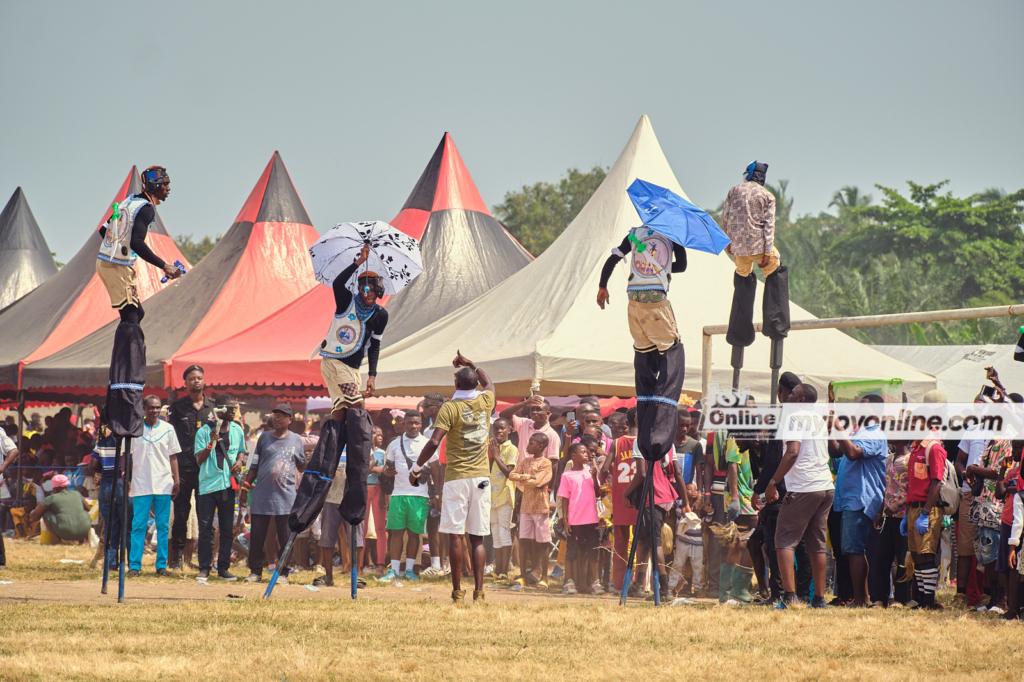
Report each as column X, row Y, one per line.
column 124, row 238
column 657, row 248
column 749, row 220
column 354, row 334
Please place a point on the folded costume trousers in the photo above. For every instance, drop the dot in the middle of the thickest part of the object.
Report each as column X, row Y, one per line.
column 659, row 382
column 355, row 437
column 774, row 308
column 127, row 380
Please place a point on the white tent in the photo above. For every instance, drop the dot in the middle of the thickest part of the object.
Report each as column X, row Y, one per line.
column 960, row 370
column 542, row 329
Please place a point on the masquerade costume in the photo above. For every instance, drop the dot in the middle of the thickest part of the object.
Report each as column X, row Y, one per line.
column 749, row 220
column 658, row 354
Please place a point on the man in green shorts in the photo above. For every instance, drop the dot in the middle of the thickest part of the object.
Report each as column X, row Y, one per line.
column 407, row 510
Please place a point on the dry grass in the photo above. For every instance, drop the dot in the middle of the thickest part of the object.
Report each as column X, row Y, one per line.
column 381, row 638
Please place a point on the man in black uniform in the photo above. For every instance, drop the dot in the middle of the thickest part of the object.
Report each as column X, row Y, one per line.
column 187, row 415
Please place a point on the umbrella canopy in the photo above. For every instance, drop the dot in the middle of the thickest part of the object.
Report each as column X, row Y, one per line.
column 394, row 256
column 74, row 303
column 25, row 258
column 673, row 216
column 260, row 265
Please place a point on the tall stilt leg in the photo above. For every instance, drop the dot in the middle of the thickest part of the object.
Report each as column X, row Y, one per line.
column 775, row 362
column 107, row 523
column 737, row 365
column 123, row 549
column 648, row 487
column 282, row 562
column 353, row 551
column 655, row 541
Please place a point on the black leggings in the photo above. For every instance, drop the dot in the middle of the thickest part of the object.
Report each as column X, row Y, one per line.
column 132, row 313
column 258, row 538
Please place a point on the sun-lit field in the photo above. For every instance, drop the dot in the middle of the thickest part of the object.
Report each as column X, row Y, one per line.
column 173, row 629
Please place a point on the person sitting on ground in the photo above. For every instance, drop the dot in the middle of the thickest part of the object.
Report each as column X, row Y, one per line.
column 65, row 512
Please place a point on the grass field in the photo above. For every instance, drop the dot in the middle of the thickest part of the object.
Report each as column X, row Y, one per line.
column 392, row 633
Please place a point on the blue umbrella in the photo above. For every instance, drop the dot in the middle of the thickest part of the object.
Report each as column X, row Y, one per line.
column 676, row 218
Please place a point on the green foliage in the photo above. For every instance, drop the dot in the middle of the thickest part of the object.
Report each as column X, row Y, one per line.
column 538, row 213
column 195, row 251
column 926, row 252
column 59, row 264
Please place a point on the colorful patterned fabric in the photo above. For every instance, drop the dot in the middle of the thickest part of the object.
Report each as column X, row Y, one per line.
column 749, row 219
column 895, row 498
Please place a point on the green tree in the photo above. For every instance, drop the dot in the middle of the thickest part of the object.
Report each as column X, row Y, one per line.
column 537, row 214
column 848, row 197
column 783, row 203
column 195, row 251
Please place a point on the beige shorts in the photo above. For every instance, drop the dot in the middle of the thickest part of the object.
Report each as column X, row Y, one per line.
column 121, row 283
column 342, row 383
column 745, row 264
column 653, row 325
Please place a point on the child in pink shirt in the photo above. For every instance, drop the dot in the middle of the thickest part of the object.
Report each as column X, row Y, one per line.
column 578, row 494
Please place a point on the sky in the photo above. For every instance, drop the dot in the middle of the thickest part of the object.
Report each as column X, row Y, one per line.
column 356, row 97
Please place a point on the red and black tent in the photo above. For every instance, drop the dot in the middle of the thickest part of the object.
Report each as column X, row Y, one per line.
column 465, row 253
column 259, row 266
column 25, row 258
column 73, row 303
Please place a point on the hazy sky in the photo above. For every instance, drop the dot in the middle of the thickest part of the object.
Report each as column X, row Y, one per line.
column 357, row 95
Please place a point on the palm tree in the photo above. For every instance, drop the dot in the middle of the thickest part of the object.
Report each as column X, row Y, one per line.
column 849, row 197
column 990, row 195
column 783, row 204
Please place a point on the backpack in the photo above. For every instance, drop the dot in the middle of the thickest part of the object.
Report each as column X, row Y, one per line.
column 949, row 493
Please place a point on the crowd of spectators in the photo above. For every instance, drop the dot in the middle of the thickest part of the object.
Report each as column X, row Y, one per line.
column 741, row 517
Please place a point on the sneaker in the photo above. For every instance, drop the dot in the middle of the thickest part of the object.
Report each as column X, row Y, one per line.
column 447, row 569
column 596, row 588
column 981, row 609
column 322, row 582
column 781, row 606
column 132, row 574
column 226, row 576
column 388, row 577
column 636, row 590
column 997, row 609
column 489, row 571
column 431, row 572
column 569, row 587
column 360, row 583
column 163, row 573
column 409, row 575
column 253, row 578
column 558, row 572
column 459, row 597
column 818, row 603
column 203, row 575
column 282, row 580
column 912, row 604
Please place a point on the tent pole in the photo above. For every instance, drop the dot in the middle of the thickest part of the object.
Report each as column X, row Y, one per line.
column 22, row 447
column 705, row 365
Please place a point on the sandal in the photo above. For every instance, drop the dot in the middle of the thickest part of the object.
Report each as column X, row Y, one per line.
column 322, row 582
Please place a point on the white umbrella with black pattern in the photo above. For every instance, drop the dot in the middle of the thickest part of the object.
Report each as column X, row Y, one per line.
column 394, row 255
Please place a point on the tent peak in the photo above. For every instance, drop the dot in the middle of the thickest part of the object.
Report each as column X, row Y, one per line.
column 274, row 198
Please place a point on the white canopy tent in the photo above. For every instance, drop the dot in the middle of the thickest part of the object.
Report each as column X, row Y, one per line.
column 960, row 370
column 541, row 329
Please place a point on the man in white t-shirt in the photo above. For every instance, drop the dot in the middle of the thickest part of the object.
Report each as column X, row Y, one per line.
column 154, row 484
column 804, row 513
column 409, row 505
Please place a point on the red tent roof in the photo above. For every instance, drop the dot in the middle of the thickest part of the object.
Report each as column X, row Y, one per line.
column 73, row 303
column 465, row 252
column 260, row 265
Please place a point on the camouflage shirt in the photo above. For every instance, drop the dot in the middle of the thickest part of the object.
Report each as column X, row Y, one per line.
column 749, row 219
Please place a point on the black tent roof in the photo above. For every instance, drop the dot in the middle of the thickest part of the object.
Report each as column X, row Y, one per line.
column 25, row 259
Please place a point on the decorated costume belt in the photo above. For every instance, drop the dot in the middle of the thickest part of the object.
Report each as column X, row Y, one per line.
column 647, row 296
